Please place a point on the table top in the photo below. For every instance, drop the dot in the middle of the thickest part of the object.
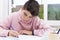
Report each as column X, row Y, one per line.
column 24, row 37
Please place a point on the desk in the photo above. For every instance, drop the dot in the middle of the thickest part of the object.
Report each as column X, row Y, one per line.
column 24, row 37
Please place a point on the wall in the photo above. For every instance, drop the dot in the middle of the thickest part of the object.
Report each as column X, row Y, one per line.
column 3, row 9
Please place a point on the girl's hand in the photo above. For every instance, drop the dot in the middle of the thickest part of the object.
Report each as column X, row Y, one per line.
column 13, row 33
column 25, row 32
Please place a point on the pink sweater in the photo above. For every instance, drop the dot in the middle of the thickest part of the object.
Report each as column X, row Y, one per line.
column 14, row 22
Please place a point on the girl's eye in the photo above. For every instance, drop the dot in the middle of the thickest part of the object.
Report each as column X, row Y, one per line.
column 25, row 14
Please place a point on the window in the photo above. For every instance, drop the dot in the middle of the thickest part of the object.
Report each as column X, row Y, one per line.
column 52, row 12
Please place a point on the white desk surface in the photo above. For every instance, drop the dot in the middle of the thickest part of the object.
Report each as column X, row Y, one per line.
column 25, row 37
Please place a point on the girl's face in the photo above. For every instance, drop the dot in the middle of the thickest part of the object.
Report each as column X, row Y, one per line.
column 26, row 15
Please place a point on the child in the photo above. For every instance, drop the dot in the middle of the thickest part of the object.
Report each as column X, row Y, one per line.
column 25, row 21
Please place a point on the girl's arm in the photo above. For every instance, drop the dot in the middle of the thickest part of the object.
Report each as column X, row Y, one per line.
column 4, row 26
column 42, row 28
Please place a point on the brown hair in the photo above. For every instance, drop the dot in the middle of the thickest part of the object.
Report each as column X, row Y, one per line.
column 32, row 6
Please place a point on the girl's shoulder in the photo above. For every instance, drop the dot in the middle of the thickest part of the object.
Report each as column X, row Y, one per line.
column 38, row 19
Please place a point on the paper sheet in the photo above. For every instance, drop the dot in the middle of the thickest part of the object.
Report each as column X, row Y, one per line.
column 29, row 37
column 24, row 37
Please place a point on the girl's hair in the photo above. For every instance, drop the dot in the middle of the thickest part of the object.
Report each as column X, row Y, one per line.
column 32, row 6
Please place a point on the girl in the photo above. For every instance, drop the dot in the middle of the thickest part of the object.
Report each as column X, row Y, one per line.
column 25, row 21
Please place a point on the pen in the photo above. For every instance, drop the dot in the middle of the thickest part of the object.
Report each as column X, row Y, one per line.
column 58, row 31
column 11, row 27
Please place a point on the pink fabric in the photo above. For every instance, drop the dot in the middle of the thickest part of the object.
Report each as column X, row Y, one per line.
column 14, row 22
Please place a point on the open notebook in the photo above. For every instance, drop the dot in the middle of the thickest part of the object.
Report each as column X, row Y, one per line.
column 24, row 37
